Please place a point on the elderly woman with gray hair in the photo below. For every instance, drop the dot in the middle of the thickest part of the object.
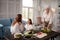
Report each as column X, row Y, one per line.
column 47, row 18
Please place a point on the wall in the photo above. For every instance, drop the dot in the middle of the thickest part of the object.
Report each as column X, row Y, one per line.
column 52, row 4
column 9, row 8
column 36, row 12
column 42, row 4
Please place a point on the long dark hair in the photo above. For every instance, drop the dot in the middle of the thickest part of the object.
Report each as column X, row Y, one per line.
column 19, row 18
column 30, row 21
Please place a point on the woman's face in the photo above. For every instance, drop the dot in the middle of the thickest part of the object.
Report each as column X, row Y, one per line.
column 16, row 17
column 47, row 10
column 28, row 22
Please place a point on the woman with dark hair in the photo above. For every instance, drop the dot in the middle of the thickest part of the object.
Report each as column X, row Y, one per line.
column 29, row 25
column 17, row 26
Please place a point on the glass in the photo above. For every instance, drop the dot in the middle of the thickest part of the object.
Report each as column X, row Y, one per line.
column 25, row 13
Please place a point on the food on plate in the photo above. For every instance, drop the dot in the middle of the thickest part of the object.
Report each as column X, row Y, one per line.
column 17, row 35
column 39, row 33
column 46, row 30
column 28, row 33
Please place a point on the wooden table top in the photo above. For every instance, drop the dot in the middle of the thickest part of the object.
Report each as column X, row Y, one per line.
column 49, row 35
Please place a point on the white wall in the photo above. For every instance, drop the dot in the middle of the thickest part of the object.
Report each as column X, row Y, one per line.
column 36, row 4
column 52, row 4
column 42, row 4
column 9, row 8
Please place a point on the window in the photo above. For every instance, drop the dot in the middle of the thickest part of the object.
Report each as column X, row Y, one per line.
column 27, row 3
column 27, row 9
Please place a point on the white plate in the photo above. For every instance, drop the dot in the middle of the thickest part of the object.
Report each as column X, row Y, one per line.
column 41, row 35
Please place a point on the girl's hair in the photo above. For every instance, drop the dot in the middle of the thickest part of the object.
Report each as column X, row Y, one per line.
column 17, row 19
column 30, row 21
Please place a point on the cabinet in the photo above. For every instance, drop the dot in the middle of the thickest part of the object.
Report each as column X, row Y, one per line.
column 59, row 12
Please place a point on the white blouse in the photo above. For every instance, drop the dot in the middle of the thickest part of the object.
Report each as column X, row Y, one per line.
column 47, row 17
column 29, row 27
column 16, row 28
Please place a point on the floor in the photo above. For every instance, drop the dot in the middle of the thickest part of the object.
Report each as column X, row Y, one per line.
column 58, row 38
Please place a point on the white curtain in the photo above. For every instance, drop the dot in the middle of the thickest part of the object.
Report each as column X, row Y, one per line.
column 36, row 11
column 9, row 8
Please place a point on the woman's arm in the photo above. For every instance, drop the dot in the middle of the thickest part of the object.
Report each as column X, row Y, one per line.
column 13, row 23
column 50, row 22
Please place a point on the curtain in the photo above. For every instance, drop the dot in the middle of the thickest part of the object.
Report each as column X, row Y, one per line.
column 36, row 11
column 9, row 8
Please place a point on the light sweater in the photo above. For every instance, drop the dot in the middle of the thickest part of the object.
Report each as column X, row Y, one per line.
column 29, row 27
column 16, row 28
column 47, row 17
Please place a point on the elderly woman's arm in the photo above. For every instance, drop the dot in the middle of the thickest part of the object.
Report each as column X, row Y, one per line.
column 50, row 22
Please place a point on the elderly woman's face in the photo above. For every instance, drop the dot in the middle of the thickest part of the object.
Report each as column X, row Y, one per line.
column 47, row 10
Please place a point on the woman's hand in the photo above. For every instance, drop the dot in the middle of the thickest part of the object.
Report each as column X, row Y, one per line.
column 49, row 26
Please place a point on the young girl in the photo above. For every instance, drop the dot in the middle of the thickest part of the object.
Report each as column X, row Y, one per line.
column 29, row 25
column 17, row 26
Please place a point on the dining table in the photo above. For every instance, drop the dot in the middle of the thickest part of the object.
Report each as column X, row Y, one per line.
column 50, row 35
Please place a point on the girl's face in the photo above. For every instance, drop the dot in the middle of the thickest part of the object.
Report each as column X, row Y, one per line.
column 28, row 22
